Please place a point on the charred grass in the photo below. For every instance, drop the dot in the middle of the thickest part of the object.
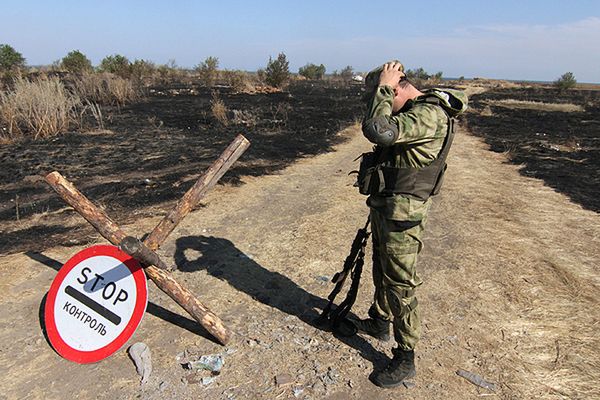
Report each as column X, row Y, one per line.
column 152, row 151
column 553, row 135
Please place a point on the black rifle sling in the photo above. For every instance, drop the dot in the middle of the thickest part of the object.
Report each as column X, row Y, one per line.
column 353, row 266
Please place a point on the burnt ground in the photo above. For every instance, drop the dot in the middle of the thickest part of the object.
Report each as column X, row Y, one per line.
column 509, row 285
column 561, row 148
column 151, row 152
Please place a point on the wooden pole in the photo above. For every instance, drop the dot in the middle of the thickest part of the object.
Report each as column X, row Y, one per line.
column 196, row 192
column 165, row 282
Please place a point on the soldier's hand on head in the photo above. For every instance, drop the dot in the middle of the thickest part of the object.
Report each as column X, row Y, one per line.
column 391, row 74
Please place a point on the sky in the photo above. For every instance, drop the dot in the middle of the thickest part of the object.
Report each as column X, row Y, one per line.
column 509, row 39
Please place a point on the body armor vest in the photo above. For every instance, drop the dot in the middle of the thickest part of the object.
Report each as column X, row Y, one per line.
column 418, row 183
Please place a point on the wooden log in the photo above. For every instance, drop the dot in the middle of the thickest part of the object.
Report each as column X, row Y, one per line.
column 136, row 249
column 196, row 192
column 165, row 282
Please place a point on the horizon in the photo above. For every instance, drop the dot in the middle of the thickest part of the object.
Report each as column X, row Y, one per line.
column 510, row 40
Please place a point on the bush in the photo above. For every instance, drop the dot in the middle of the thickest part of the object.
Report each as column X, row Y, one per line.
column 566, row 81
column 208, row 71
column 347, row 73
column 76, row 62
column 40, row 108
column 312, row 71
column 417, row 74
column 260, row 75
column 277, row 72
column 142, row 70
column 11, row 61
column 437, row 77
column 116, row 64
column 419, row 77
column 169, row 72
column 239, row 81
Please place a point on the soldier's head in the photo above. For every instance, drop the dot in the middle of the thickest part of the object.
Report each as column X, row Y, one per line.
column 402, row 87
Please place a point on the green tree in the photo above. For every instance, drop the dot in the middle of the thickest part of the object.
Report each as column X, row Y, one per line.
column 566, row 81
column 277, row 72
column 312, row 71
column 76, row 62
column 116, row 64
column 418, row 74
column 208, row 71
column 11, row 61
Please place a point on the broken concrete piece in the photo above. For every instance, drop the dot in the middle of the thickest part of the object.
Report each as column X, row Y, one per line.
column 140, row 354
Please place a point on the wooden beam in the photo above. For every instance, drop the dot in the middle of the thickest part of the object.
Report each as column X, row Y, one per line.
column 165, row 282
column 196, row 192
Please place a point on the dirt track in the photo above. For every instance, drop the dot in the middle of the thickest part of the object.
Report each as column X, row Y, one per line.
column 510, row 293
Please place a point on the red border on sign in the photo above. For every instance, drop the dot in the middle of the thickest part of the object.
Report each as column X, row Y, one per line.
column 85, row 357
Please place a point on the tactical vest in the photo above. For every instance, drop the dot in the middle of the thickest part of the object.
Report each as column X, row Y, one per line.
column 418, row 183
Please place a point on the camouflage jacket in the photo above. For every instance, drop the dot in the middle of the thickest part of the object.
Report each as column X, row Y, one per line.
column 422, row 129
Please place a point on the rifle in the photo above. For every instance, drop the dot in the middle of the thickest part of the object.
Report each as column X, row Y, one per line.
column 353, row 266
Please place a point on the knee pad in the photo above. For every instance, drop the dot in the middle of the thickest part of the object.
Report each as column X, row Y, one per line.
column 398, row 299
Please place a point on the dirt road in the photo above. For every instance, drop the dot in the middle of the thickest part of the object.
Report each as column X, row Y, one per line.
column 510, row 293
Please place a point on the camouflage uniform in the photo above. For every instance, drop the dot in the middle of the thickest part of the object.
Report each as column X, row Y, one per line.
column 398, row 221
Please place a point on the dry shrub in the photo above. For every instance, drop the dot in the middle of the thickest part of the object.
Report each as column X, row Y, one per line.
column 106, row 89
column 218, row 109
column 41, row 108
column 239, row 81
column 243, row 117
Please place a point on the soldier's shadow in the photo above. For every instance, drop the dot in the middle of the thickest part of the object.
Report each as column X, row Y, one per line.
column 220, row 258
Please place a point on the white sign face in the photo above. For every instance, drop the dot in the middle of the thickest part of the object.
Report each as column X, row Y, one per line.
column 95, row 304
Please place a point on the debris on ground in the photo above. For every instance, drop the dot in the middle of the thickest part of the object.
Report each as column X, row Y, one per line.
column 329, row 377
column 408, row 385
column 211, row 362
column 140, row 354
column 475, row 379
column 196, row 378
column 283, row 379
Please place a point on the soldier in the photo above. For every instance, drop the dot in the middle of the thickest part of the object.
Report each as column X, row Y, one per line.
column 412, row 131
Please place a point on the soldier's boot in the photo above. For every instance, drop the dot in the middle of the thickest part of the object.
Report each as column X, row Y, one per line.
column 374, row 326
column 401, row 367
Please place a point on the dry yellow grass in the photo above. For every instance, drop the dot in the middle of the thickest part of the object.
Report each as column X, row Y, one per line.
column 40, row 108
column 536, row 105
column 523, row 273
column 105, row 88
column 218, row 109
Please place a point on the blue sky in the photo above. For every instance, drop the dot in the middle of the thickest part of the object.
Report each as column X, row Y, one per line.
column 526, row 39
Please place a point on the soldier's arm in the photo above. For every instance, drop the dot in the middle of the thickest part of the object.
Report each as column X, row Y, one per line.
column 417, row 125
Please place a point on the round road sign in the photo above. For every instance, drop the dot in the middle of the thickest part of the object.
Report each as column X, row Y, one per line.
column 95, row 304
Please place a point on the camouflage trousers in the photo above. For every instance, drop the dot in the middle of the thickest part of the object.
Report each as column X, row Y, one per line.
column 396, row 245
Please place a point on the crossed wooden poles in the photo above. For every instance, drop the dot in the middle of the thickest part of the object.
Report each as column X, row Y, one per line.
column 144, row 251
